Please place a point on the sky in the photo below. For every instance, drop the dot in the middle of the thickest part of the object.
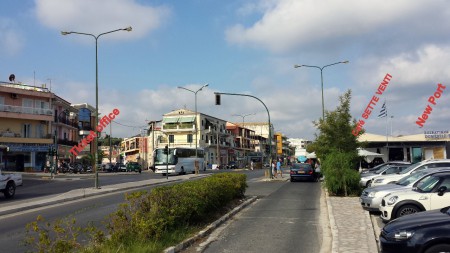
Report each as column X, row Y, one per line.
column 244, row 47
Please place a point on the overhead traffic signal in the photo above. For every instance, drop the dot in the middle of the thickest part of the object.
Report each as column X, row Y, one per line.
column 217, row 99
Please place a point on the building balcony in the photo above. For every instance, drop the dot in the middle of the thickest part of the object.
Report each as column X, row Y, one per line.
column 17, row 138
column 178, row 127
column 67, row 122
column 26, row 110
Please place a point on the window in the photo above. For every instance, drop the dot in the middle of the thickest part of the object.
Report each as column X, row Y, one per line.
column 26, row 130
column 39, row 131
column 27, row 103
column 2, row 100
column 171, row 138
column 189, row 138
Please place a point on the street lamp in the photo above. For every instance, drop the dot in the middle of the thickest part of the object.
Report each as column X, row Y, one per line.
column 195, row 118
column 243, row 129
column 128, row 29
column 321, row 78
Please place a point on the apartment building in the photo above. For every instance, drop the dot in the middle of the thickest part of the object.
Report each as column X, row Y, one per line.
column 25, row 126
column 64, row 128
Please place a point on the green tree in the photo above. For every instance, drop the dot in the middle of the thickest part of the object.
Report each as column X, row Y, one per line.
column 336, row 147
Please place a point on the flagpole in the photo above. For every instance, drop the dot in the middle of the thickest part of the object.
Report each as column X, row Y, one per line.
column 387, row 133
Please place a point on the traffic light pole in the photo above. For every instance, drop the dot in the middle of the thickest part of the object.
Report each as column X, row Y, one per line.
column 268, row 115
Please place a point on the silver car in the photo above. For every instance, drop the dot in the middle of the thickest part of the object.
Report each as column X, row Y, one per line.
column 367, row 178
column 371, row 197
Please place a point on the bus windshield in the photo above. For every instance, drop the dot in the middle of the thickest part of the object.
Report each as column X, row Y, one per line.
column 161, row 158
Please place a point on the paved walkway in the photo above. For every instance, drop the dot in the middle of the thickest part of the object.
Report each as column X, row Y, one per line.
column 351, row 226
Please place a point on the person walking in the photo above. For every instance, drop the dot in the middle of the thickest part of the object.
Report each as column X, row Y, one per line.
column 279, row 168
column 274, row 170
column 251, row 165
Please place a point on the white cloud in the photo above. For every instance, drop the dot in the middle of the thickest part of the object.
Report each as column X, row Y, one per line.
column 11, row 41
column 101, row 15
column 292, row 24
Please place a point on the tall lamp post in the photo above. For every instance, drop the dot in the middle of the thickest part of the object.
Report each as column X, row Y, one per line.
column 128, row 29
column 195, row 118
column 243, row 129
column 321, row 78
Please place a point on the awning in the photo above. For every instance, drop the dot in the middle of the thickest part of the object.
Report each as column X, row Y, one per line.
column 170, row 120
column 186, row 119
column 368, row 155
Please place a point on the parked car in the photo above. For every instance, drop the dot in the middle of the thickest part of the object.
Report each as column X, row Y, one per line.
column 113, row 168
column 432, row 193
column 302, row 171
column 121, row 167
column 371, row 170
column 371, row 197
column 232, row 165
column 133, row 167
column 425, row 232
column 426, row 164
column 366, row 178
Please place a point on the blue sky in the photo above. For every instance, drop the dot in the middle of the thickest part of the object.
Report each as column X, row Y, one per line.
column 246, row 47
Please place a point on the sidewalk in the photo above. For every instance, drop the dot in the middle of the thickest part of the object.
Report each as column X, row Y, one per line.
column 351, row 226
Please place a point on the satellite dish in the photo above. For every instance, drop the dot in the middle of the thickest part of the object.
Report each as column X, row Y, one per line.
column 12, row 78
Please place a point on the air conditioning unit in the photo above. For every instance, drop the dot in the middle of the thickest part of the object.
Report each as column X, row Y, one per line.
column 13, row 95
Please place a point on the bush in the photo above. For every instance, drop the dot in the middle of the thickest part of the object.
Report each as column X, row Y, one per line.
column 152, row 215
column 340, row 178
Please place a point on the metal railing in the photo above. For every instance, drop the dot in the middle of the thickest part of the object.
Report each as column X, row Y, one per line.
column 26, row 110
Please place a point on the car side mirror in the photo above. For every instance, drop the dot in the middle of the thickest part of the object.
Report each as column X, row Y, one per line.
column 441, row 190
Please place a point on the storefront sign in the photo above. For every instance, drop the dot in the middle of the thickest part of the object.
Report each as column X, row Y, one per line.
column 14, row 147
column 437, row 134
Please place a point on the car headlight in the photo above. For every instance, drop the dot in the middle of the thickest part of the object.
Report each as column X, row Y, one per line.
column 401, row 235
column 392, row 200
column 379, row 180
column 371, row 194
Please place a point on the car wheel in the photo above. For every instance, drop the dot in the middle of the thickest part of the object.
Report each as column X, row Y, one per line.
column 10, row 190
column 368, row 183
column 292, row 180
column 438, row 248
column 406, row 209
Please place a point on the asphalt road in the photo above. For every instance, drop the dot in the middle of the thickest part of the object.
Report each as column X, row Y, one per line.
column 284, row 219
column 92, row 210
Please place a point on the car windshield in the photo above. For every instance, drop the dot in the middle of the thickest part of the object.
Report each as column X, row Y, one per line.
column 428, row 184
column 381, row 169
column 411, row 178
column 303, row 166
column 410, row 167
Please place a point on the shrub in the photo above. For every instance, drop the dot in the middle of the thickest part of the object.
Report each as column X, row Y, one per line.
column 340, row 178
column 150, row 216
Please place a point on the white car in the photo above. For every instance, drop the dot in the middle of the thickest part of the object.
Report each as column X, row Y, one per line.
column 371, row 197
column 366, row 178
column 426, row 164
column 432, row 193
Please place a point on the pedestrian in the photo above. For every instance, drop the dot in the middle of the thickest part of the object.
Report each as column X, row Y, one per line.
column 279, row 168
column 251, row 165
column 274, row 171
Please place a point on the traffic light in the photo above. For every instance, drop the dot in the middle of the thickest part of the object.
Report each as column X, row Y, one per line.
column 217, row 99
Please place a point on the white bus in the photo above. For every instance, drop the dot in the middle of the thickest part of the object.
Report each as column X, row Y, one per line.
column 181, row 160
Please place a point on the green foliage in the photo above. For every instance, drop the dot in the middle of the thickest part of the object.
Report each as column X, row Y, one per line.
column 153, row 215
column 336, row 147
column 340, row 178
column 60, row 236
column 147, row 222
column 336, row 130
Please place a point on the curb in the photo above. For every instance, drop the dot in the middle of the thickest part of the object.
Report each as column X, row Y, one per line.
column 333, row 227
column 202, row 234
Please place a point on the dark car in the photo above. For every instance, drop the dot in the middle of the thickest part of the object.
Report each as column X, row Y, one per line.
column 424, row 232
column 231, row 165
column 134, row 167
column 302, row 171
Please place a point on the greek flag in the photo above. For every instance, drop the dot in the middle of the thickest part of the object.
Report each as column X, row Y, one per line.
column 383, row 111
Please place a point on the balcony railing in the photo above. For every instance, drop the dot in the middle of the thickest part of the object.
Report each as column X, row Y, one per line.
column 66, row 121
column 10, row 134
column 181, row 126
column 25, row 110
